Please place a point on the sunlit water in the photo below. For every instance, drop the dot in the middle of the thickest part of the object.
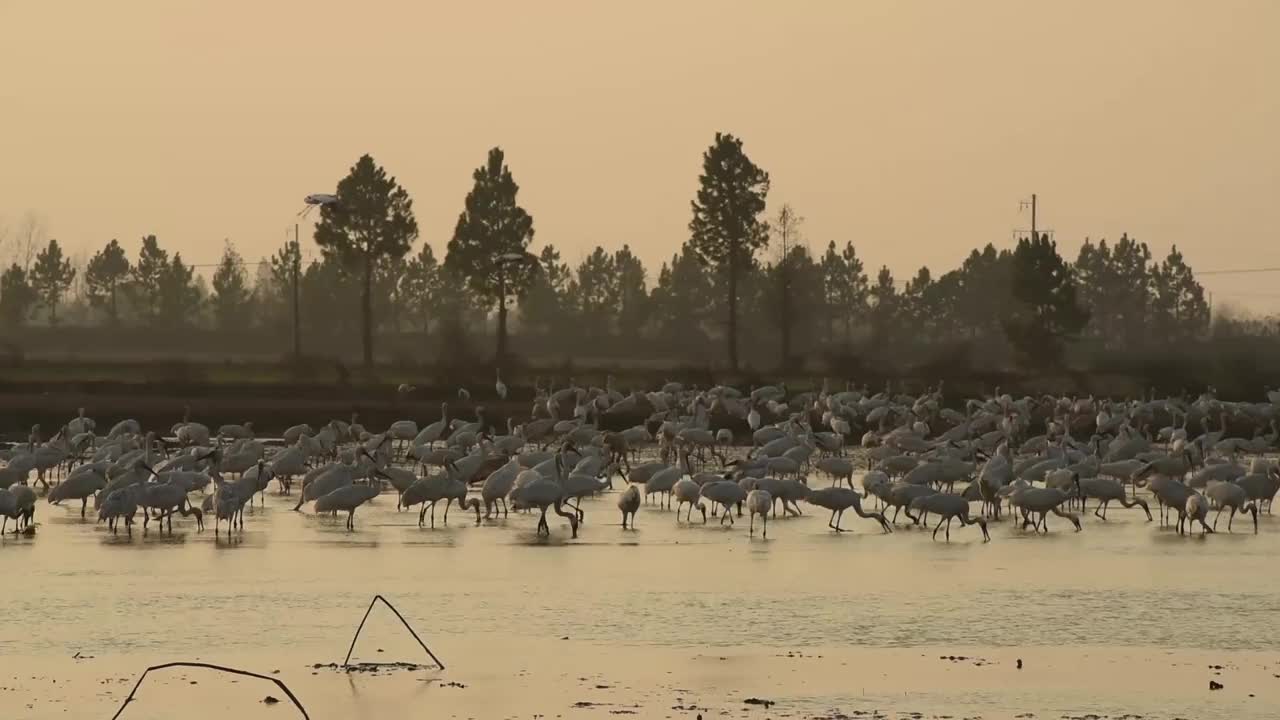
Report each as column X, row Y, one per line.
column 296, row 583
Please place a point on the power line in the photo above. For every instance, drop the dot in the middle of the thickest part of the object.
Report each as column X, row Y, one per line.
column 1240, row 293
column 1239, row 271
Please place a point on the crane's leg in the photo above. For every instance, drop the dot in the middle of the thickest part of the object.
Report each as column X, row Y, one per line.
column 752, row 529
column 935, row 530
column 765, row 532
column 1230, row 517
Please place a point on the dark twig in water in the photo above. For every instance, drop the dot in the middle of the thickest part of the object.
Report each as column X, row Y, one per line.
column 393, row 609
column 219, row 668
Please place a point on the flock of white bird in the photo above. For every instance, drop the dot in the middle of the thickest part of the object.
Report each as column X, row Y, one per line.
column 922, row 458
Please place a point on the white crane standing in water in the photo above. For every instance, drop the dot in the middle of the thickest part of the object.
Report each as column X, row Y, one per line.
column 544, row 493
column 759, row 502
column 17, row 503
column 629, row 503
column 347, row 498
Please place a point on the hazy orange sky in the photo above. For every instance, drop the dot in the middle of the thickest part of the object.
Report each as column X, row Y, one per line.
column 911, row 128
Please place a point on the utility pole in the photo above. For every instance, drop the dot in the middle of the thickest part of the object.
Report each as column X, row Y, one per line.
column 1035, row 230
column 297, row 268
column 1033, row 217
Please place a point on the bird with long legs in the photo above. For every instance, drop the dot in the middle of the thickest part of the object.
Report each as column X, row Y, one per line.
column 1033, row 501
column 347, row 499
column 544, row 493
column 839, row 499
column 726, row 494
column 1230, row 496
column 629, row 503
column 759, row 502
column 1195, row 510
column 949, row 507
column 1106, row 491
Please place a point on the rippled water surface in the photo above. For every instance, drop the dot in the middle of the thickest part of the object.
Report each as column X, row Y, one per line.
column 294, row 584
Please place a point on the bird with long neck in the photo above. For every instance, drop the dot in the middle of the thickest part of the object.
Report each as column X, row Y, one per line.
column 456, row 489
column 1106, row 490
column 839, row 499
column 545, row 493
column 1224, row 495
column 949, row 507
column 347, row 498
column 1042, row 501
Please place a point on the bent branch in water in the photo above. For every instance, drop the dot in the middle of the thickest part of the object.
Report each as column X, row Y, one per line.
column 219, row 668
column 393, row 609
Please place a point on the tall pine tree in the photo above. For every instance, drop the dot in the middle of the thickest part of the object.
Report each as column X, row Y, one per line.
column 51, row 277
column 726, row 229
column 105, row 276
column 490, row 244
column 371, row 222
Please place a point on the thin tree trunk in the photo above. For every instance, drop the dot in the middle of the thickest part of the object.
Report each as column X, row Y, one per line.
column 366, row 311
column 502, row 319
column 733, row 309
column 786, row 317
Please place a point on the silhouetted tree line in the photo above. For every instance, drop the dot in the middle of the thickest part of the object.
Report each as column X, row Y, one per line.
column 743, row 289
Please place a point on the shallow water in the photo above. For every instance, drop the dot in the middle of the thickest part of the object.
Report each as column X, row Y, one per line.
column 1124, row 617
